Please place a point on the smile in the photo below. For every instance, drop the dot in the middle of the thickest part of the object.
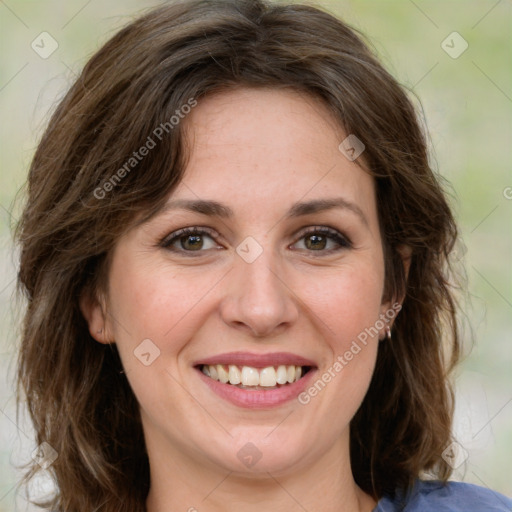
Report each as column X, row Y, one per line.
column 256, row 381
column 248, row 377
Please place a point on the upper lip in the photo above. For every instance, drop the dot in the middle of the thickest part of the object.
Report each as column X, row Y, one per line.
column 256, row 360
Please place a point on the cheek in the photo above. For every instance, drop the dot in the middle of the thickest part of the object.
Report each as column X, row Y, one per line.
column 346, row 302
column 348, row 306
column 152, row 307
column 156, row 302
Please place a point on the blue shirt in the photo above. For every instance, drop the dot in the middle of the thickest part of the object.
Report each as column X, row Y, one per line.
column 434, row 496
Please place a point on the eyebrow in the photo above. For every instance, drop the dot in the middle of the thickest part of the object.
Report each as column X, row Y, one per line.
column 299, row 209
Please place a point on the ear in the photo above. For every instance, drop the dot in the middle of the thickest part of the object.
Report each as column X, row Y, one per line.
column 94, row 311
column 405, row 252
column 389, row 310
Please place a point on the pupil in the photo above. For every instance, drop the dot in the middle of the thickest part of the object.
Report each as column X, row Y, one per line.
column 318, row 241
column 196, row 242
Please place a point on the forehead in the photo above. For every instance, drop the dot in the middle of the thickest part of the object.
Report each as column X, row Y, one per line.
column 243, row 121
column 268, row 147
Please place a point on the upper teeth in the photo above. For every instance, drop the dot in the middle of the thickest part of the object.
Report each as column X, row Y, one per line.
column 249, row 376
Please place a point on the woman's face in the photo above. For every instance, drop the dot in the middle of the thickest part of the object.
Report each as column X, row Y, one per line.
column 272, row 280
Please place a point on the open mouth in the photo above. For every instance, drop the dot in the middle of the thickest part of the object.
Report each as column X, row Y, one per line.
column 248, row 377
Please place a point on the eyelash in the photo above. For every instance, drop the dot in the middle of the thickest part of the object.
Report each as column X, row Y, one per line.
column 342, row 240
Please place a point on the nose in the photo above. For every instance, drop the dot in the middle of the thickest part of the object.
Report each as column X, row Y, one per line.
column 257, row 298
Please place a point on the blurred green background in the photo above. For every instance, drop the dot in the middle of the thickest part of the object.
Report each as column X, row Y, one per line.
column 467, row 104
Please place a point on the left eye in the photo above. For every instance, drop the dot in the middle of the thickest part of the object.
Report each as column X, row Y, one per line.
column 317, row 239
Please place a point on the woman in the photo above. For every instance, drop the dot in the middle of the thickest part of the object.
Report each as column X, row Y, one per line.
column 236, row 262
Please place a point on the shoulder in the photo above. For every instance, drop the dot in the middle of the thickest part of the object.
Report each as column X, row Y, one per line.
column 426, row 496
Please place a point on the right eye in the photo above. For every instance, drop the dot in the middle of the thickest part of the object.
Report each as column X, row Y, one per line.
column 188, row 240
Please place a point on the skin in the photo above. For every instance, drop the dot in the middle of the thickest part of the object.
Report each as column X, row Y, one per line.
column 257, row 151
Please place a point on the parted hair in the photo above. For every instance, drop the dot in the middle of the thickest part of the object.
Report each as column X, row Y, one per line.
column 79, row 400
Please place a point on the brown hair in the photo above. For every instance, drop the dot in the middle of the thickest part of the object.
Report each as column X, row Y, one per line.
column 80, row 402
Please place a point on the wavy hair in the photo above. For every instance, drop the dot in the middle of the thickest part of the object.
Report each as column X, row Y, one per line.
column 79, row 400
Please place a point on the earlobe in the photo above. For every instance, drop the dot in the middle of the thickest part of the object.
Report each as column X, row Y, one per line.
column 95, row 316
column 387, row 319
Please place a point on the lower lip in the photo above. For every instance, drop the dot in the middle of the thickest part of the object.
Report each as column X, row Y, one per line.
column 258, row 399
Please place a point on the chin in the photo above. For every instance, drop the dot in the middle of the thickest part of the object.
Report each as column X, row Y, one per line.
column 253, row 453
